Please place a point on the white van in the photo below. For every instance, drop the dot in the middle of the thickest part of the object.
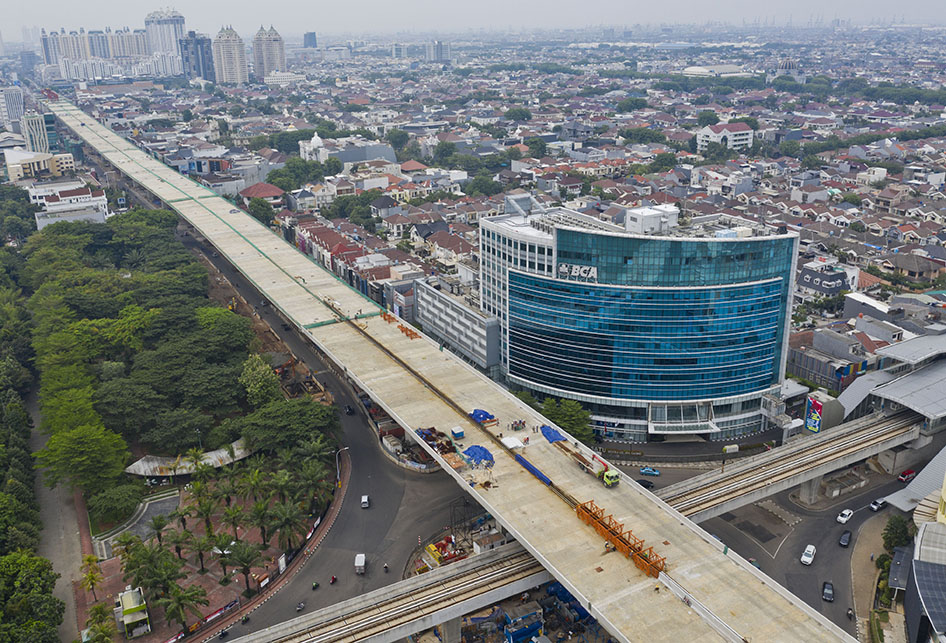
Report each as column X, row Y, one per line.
column 365, row 503
column 359, row 563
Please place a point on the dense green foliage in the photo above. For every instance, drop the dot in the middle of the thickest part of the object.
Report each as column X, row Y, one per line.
column 16, row 213
column 636, row 135
column 298, row 172
column 128, row 347
column 261, row 210
column 29, row 613
column 897, row 533
column 355, row 208
column 631, row 104
column 518, row 114
column 568, row 414
column 28, row 610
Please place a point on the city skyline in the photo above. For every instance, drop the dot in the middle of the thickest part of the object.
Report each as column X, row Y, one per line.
column 382, row 18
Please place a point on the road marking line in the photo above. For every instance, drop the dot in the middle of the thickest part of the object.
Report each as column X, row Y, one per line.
column 777, row 549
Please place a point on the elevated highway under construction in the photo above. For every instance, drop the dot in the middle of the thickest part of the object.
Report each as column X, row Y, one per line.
column 497, row 576
column 559, row 513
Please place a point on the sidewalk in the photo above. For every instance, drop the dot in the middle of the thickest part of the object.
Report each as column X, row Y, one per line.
column 868, row 541
column 60, row 539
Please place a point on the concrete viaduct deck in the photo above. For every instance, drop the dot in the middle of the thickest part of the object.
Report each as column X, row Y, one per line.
column 713, row 594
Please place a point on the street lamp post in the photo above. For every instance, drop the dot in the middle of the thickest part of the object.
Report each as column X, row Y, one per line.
column 338, row 474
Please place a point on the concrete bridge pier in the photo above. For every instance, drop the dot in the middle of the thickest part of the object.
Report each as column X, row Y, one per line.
column 450, row 631
column 808, row 490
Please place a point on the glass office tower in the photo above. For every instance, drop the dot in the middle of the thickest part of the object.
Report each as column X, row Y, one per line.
column 659, row 326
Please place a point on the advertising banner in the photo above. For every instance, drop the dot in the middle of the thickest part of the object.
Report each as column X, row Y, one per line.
column 813, row 416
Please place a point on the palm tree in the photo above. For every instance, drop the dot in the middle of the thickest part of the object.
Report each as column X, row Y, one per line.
column 157, row 525
column 181, row 600
column 317, row 447
column 255, row 483
column 175, row 467
column 181, row 514
column 99, row 613
column 282, row 484
column 205, row 509
column 179, row 540
column 200, row 545
column 101, row 624
column 244, row 556
column 91, row 574
column 285, row 458
column 222, row 551
column 259, row 517
column 194, row 456
column 256, row 461
column 203, row 471
column 199, row 489
column 234, row 516
column 288, row 522
column 226, row 489
column 316, row 483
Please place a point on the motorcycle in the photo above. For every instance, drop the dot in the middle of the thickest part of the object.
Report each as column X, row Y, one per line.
column 300, row 606
column 244, row 620
column 315, row 586
column 385, row 568
column 332, row 582
column 850, row 613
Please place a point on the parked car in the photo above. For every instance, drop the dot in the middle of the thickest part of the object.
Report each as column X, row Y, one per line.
column 878, row 504
column 647, row 484
column 649, row 471
column 827, row 592
column 808, row 556
column 845, row 538
column 907, row 476
column 845, row 515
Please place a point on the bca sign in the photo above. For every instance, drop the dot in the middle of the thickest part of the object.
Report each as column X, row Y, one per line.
column 582, row 273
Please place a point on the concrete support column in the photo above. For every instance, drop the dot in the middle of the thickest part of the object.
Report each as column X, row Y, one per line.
column 808, row 491
column 450, row 631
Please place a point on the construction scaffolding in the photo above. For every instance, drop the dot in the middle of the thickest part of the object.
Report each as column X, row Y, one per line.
column 623, row 541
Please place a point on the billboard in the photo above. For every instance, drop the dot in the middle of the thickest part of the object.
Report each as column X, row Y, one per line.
column 813, row 415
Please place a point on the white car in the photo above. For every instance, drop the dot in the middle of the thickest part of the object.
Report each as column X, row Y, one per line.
column 845, row 515
column 808, row 556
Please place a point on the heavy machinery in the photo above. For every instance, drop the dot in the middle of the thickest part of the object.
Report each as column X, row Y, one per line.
column 596, row 466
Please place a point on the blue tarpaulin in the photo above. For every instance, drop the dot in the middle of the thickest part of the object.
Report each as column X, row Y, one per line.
column 480, row 416
column 478, row 454
column 551, row 434
column 531, row 468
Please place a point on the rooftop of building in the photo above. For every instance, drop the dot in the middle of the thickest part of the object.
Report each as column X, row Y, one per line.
column 539, row 224
column 915, row 350
column 920, row 390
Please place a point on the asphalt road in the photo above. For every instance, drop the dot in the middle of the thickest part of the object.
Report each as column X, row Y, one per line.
column 405, row 505
column 755, row 533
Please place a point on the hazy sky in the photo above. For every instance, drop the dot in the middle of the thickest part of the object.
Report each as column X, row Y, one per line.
column 355, row 16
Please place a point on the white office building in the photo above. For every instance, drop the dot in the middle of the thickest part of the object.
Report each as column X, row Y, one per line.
column 440, row 309
column 11, row 107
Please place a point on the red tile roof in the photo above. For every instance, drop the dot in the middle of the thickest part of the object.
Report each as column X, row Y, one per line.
column 261, row 191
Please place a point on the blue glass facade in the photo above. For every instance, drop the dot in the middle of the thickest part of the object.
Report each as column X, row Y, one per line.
column 668, row 319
